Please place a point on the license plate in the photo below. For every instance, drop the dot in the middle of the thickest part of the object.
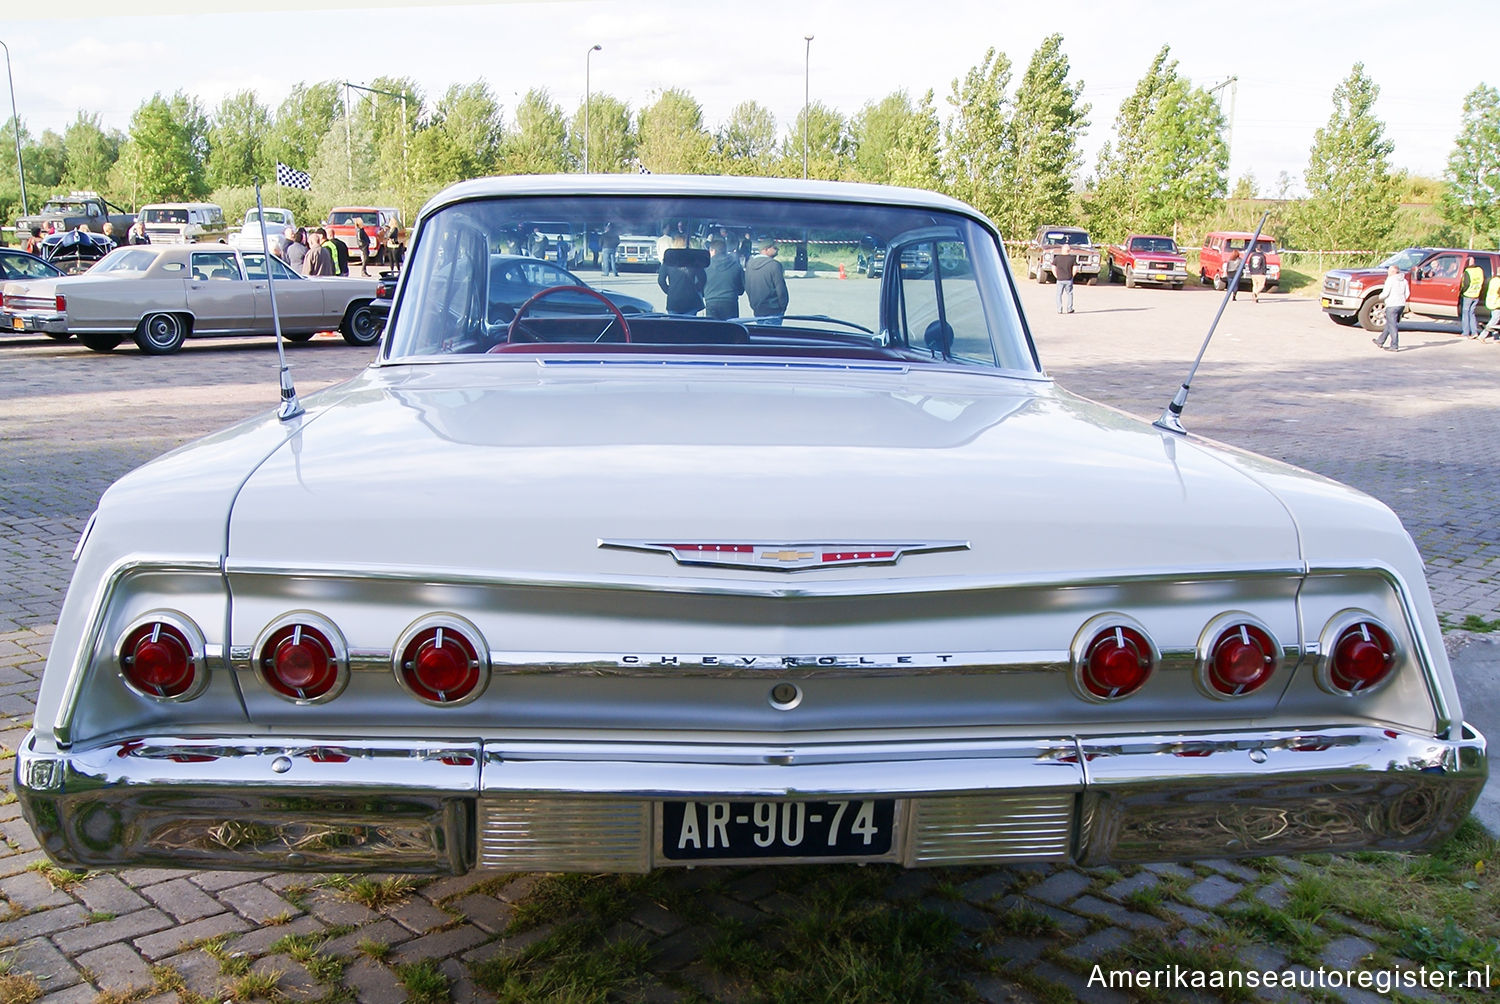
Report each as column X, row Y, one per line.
column 1327, row 302
column 18, row 324
column 632, row 259
column 707, row 831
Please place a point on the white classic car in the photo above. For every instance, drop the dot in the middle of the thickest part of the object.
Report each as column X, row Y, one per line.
column 253, row 235
column 856, row 583
column 163, row 294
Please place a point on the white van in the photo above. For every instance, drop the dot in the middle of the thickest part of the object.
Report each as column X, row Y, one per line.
column 185, row 223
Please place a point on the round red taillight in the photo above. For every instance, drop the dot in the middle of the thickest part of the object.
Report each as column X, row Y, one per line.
column 1116, row 663
column 440, row 665
column 1242, row 659
column 1363, row 656
column 157, row 659
column 298, row 661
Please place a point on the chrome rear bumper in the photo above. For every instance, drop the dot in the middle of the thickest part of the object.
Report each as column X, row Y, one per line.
column 355, row 805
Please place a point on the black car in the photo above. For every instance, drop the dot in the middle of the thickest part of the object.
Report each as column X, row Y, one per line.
column 17, row 264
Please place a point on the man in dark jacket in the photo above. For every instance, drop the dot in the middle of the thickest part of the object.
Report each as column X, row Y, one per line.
column 319, row 259
column 725, row 283
column 363, row 237
column 337, row 250
column 765, row 286
column 683, row 286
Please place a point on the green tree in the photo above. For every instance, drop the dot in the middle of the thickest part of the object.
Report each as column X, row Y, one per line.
column 468, row 118
column 1245, row 187
column 611, row 144
column 1041, row 151
column 46, row 161
column 1116, row 206
column 1470, row 203
column 746, row 142
column 829, row 145
column 392, row 116
column 168, row 149
column 877, row 132
column 671, row 136
column 91, row 152
column 239, row 150
column 974, row 138
column 303, row 121
column 1351, row 192
column 1182, row 176
column 914, row 161
column 539, row 143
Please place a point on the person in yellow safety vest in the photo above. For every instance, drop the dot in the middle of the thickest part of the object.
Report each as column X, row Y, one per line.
column 1492, row 304
column 1468, row 298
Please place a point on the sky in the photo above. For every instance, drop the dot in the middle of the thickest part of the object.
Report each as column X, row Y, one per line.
column 1285, row 58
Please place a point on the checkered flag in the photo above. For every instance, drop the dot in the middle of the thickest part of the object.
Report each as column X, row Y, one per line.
column 292, row 178
column 641, row 168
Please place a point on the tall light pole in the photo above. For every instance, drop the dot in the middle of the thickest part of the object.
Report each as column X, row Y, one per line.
column 587, row 94
column 806, row 91
column 15, row 122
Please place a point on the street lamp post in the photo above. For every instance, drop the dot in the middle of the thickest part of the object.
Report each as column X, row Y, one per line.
column 806, row 91
column 587, row 94
column 15, row 122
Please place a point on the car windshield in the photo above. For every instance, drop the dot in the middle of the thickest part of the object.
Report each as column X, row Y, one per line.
column 67, row 208
column 1404, row 260
column 126, row 259
column 1265, row 244
column 949, row 302
column 346, row 217
column 1065, row 237
column 165, row 215
column 1154, row 245
column 273, row 216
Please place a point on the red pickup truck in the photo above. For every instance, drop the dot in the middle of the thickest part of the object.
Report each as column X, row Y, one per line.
column 1433, row 274
column 1147, row 258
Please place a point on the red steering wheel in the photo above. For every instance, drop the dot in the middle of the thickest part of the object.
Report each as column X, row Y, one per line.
column 510, row 334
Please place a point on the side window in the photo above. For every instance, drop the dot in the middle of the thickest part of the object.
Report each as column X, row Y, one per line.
column 215, row 265
column 939, row 308
column 255, row 268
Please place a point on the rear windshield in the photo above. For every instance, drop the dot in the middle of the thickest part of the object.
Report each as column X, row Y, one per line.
column 165, row 215
column 126, row 259
column 1065, row 237
column 346, row 217
column 470, row 289
column 1154, row 245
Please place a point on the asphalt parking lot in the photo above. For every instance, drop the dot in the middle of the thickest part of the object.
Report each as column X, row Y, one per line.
column 1417, row 429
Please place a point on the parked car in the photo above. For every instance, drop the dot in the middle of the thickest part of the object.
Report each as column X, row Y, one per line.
column 376, row 223
column 253, row 235
column 1050, row 241
column 185, row 223
column 514, row 279
column 1433, row 277
column 1146, row 258
column 162, row 294
column 1217, row 253
column 18, row 264
column 76, row 251
column 63, row 213
column 611, row 592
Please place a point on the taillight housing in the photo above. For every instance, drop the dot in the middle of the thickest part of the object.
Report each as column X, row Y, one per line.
column 1113, row 657
column 1237, row 656
column 161, row 656
column 1359, row 654
column 442, row 661
column 302, row 657
column 62, row 303
column 382, row 291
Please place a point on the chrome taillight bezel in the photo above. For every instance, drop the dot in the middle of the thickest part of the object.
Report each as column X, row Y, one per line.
column 197, row 648
column 1084, row 642
column 1329, row 638
column 448, row 622
column 338, row 647
column 1208, row 644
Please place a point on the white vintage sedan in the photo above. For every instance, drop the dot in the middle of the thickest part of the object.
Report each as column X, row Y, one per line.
column 162, row 295
column 852, row 581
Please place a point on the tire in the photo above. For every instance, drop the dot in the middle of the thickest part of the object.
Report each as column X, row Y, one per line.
column 60, row 336
column 1372, row 313
column 1220, row 284
column 160, row 334
column 361, row 326
column 298, row 336
column 100, row 342
column 1129, row 279
column 1041, row 275
column 1202, row 279
column 1348, row 322
column 1178, row 285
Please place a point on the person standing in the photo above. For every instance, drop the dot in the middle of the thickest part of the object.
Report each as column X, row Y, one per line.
column 296, row 248
column 337, row 250
column 137, row 234
column 1471, row 286
column 1492, row 304
column 765, row 286
column 319, row 259
column 1393, row 295
column 682, row 284
column 747, row 248
column 1063, row 265
column 725, row 282
column 363, row 237
column 33, row 243
column 1255, row 267
column 609, row 248
column 109, row 232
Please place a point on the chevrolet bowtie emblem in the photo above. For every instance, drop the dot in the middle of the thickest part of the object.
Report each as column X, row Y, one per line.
column 786, row 555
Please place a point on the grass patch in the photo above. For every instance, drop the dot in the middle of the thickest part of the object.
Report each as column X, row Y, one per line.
column 17, row 988
column 1024, row 922
column 424, row 982
column 58, row 878
column 371, row 949
column 1476, row 623
column 1294, row 280
column 1148, row 953
column 258, row 986
column 374, row 894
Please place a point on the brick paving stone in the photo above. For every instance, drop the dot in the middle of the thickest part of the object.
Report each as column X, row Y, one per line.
column 1113, row 913
column 419, row 916
column 45, row 922
column 138, row 877
column 333, row 909
column 966, row 915
column 216, row 882
column 104, row 893
column 199, row 971
column 1079, row 985
column 485, row 912
column 258, row 941
column 32, row 891
column 461, row 988
column 293, row 980
column 988, row 887
column 81, row 993
column 131, row 925
column 49, row 967
column 256, row 903
column 1191, row 916
column 1231, row 869
column 1138, row 882
column 1098, row 944
column 116, row 967
column 1346, row 952
column 1060, row 887
column 677, row 950
column 453, row 885
column 1273, row 894
column 1216, row 890
column 994, row 990
column 382, row 932
column 1169, row 869
column 183, row 900
column 656, row 918
column 1017, row 953
column 174, row 939
column 1068, row 923
column 440, row 944
column 373, row 983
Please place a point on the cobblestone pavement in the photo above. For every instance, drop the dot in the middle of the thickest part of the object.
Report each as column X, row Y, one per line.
column 1416, row 429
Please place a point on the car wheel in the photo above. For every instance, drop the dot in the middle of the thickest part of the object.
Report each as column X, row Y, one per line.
column 101, row 343
column 1203, row 279
column 61, row 336
column 1219, row 283
column 1041, row 275
column 1372, row 313
column 298, row 336
column 1129, row 279
column 361, row 326
column 160, row 334
column 1178, row 285
column 1347, row 320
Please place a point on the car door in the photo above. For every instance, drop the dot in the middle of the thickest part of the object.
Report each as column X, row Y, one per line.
column 1434, row 285
column 218, row 294
column 299, row 300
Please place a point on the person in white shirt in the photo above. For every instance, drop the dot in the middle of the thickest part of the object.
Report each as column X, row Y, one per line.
column 1394, row 296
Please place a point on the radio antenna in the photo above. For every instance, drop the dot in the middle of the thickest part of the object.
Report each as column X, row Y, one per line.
column 1171, row 418
column 290, row 407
